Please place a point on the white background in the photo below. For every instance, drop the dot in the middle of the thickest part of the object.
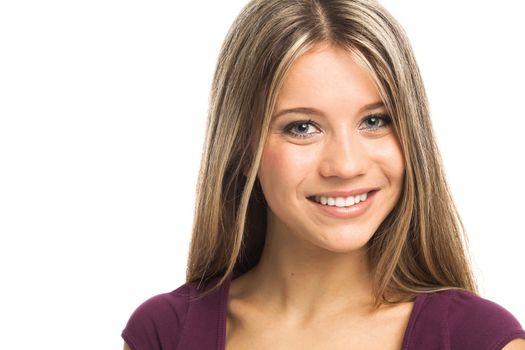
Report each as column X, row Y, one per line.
column 102, row 112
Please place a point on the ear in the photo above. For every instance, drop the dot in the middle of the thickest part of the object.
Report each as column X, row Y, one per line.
column 245, row 170
column 247, row 161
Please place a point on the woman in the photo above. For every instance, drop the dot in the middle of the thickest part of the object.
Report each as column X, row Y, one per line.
column 323, row 218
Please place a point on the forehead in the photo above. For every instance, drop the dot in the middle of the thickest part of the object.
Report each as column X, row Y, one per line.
column 327, row 77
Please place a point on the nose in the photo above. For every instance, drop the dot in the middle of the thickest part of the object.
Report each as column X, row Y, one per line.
column 344, row 156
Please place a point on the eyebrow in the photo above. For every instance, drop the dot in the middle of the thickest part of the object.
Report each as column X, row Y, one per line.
column 313, row 111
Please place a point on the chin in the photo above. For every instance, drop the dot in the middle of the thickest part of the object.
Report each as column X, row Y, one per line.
column 346, row 242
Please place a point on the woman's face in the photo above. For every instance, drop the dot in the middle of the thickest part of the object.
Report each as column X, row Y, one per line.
column 332, row 168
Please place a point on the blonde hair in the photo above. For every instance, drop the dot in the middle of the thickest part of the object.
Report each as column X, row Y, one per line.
column 420, row 246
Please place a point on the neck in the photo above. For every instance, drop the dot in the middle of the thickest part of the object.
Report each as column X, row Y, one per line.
column 302, row 281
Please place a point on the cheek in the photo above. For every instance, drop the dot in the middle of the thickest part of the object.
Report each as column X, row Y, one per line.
column 284, row 165
column 389, row 156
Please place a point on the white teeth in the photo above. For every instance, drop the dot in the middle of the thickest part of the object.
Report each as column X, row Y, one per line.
column 341, row 201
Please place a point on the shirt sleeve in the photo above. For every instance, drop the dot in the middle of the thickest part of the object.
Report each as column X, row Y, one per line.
column 478, row 323
column 158, row 322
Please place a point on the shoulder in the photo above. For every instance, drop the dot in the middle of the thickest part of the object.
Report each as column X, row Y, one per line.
column 481, row 319
column 464, row 305
column 187, row 317
column 147, row 325
column 472, row 322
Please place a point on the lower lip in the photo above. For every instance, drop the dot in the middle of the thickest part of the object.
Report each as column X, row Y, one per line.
column 346, row 212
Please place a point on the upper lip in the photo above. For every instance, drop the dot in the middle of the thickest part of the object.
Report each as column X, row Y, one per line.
column 344, row 193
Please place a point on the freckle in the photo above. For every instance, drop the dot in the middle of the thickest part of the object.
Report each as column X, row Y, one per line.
column 293, row 274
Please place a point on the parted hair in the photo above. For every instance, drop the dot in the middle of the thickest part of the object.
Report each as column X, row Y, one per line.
column 421, row 245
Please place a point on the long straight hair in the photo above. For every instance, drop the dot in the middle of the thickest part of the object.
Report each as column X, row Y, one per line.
column 420, row 246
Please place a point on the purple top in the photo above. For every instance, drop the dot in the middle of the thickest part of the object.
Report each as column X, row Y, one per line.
column 445, row 320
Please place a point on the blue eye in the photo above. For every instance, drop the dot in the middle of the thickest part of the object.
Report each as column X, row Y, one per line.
column 376, row 121
column 301, row 129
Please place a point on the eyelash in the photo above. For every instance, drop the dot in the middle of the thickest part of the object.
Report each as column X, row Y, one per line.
column 381, row 116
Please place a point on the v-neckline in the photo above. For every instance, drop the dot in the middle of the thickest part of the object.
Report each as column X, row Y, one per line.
column 223, row 311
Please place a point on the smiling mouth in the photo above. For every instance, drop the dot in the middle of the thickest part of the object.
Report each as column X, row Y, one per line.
column 341, row 202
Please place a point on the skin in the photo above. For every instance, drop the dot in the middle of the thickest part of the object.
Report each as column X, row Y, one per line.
column 312, row 287
column 517, row 344
column 305, row 249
